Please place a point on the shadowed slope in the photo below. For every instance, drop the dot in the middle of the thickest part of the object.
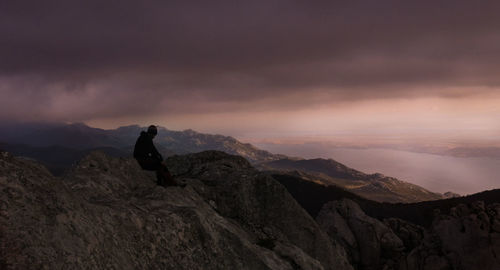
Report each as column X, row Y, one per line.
column 312, row 196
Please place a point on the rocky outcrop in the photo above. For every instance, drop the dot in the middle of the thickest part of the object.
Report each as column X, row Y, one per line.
column 108, row 213
column 412, row 235
column 470, row 236
column 467, row 238
column 422, row 248
column 370, row 243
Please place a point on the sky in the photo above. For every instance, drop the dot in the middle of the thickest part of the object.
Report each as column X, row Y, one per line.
column 401, row 70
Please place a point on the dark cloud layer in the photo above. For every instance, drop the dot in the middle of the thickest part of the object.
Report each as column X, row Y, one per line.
column 109, row 58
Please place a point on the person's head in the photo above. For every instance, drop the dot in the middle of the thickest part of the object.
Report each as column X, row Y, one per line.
column 152, row 131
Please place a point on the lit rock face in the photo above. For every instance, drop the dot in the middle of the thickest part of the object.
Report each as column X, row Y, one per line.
column 109, row 214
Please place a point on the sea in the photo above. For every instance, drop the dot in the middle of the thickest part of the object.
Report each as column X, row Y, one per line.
column 437, row 173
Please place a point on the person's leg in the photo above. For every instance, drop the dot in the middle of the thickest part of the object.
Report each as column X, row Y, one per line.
column 169, row 180
column 163, row 176
column 160, row 179
column 149, row 164
column 154, row 165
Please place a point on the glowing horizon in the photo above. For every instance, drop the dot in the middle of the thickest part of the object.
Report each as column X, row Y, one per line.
column 379, row 70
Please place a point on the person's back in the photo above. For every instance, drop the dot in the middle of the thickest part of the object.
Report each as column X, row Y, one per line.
column 145, row 152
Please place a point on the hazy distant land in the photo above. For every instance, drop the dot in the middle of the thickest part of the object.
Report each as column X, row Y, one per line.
column 439, row 173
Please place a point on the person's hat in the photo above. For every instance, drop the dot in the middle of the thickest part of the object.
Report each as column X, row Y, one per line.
column 152, row 130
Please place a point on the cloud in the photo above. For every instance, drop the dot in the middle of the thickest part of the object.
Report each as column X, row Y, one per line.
column 75, row 60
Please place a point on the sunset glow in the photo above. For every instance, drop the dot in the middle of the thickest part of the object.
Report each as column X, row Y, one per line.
column 389, row 72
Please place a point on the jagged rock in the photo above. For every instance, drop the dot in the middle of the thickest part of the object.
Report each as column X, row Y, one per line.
column 426, row 256
column 369, row 243
column 412, row 235
column 422, row 248
column 108, row 213
column 464, row 239
column 468, row 238
column 494, row 214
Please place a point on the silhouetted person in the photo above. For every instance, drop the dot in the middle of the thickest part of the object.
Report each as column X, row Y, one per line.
column 150, row 159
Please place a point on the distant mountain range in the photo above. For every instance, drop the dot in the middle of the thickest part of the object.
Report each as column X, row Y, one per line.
column 58, row 146
column 376, row 186
column 456, row 151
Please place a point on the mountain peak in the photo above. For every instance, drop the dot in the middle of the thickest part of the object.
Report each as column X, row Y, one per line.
column 107, row 211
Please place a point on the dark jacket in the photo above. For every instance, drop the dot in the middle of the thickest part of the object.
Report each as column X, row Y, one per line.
column 145, row 149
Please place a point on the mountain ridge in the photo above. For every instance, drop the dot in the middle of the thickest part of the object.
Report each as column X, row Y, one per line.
column 375, row 186
column 60, row 146
column 82, row 137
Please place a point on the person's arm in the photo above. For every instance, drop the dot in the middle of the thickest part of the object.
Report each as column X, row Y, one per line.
column 156, row 154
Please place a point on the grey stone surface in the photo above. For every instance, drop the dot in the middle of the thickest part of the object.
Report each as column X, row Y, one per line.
column 109, row 214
